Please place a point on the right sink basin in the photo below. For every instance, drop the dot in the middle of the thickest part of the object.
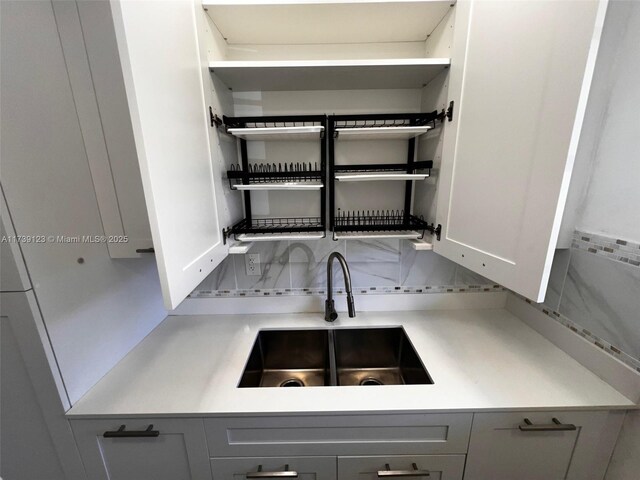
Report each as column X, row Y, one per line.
column 377, row 356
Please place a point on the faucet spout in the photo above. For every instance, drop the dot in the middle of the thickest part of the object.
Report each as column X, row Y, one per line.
column 330, row 314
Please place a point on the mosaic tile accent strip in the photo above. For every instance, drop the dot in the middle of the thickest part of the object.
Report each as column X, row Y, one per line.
column 586, row 334
column 621, row 250
column 277, row 292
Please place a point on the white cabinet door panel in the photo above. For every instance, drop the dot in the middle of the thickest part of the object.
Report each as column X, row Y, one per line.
column 307, row 468
column 164, row 70
column 520, row 76
column 499, row 450
column 434, row 467
column 179, row 452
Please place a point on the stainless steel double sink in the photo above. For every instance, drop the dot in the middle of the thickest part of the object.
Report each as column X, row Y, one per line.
column 333, row 357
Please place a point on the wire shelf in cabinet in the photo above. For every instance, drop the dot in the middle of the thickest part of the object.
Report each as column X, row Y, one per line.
column 276, row 128
column 273, row 237
column 383, row 127
column 378, row 224
column 281, row 228
column 271, row 176
column 370, row 177
column 380, row 133
column 389, row 171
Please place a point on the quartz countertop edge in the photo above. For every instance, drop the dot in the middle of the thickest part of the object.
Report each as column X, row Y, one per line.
column 479, row 359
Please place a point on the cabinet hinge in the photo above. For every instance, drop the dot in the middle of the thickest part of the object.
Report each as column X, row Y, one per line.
column 216, row 121
column 226, row 232
column 448, row 114
column 435, row 231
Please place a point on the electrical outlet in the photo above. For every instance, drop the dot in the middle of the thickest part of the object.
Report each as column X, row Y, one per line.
column 252, row 264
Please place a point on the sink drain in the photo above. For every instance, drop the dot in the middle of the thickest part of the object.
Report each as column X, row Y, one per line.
column 292, row 382
column 371, row 381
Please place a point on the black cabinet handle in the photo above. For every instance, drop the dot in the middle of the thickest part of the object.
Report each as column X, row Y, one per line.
column 556, row 426
column 123, row 433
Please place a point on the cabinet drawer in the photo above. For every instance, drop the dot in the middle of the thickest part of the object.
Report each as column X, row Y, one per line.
column 431, row 467
column 338, row 435
column 304, row 468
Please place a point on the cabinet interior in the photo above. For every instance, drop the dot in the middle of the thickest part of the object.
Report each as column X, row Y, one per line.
column 326, row 46
column 302, row 59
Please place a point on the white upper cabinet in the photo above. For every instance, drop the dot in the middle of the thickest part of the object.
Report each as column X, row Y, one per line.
column 164, row 68
column 520, row 77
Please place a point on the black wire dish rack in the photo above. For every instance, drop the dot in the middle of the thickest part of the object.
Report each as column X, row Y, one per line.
column 275, row 175
column 389, row 223
column 248, row 230
column 343, row 122
column 380, row 223
column 247, row 176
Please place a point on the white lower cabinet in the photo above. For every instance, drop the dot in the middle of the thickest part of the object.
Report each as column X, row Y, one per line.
column 541, row 445
column 303, row 468
column 177, row 452
column 461, row 446
column 431, row 467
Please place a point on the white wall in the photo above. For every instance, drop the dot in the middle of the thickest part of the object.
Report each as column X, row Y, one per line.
column 95, row 309
column 610, row 202
column 605, row 196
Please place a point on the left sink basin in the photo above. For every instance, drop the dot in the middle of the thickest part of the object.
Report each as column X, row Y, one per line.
column 288, row 358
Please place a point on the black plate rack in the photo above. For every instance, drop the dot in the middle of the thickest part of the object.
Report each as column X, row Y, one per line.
column 397, row 223
column 277, row 175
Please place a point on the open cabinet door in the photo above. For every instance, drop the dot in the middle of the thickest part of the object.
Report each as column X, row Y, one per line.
column 164, row 78
column 520, row 77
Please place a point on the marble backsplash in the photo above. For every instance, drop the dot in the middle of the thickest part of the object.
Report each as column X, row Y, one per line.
column 595, row 288
column 299, row 267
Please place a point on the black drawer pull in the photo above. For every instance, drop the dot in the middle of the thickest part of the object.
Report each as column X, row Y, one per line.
column 122, row 433
column 387, row 472
column 556, row 426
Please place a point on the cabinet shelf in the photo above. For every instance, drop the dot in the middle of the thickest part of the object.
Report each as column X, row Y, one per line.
column 279, row 186
column 263, row 176
column 291, row 75
column 381, row 133
column 383, row 167
column 326, row 22
column 274, row 237
column 281, row 228
column 278, row 133
column 403, row 235
column 372, row 177
column 386, row 224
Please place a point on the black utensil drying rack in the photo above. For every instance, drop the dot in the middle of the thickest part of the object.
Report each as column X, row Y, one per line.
column 278, row 175
column 380, row 223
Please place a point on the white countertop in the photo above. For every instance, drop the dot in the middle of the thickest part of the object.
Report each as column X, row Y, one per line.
column 478, row 359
